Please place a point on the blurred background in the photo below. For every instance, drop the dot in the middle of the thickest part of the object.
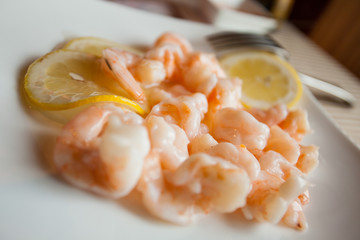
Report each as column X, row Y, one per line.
column 334, row 25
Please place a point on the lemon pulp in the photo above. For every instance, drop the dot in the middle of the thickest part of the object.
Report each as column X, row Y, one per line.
column 267, row 79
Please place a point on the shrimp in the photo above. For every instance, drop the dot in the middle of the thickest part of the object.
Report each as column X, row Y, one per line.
column 240, row 157
column 169, row 140
column 102, row 150
column 117, row 62
column 171, row 50
column 227, row 93
column 270, row 197
column 295, row 217
column 214, row 180
column 185, row 111
column 304, row 198
column 201, row 72
column 274, row 163
column 272, row 116
column 239, row 127
column 164, row 200
column 198, row 150
column 309, row 158
column 149, row 72
column 296, row 124
column 278, row 170
column 173, row 38
column 200, row 184
column 202, row 143
column 164, row 92
column 281, row 142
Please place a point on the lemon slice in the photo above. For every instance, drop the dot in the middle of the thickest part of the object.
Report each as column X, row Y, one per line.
column 94, row 45
column 66, row 79
column 267, row 79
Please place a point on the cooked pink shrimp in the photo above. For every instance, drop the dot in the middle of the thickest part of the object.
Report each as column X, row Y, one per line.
column 155, row 95
column 274, row 163
column 202, row 183
column 219, row 184
column 271, row 116
column 271, row 197
column 295, row 217
column 281, row 142
column 148, row 71
column 169, row 140
column 267, row 184
column 170, row 49
column 165, row 200
column 173, row 38
column 177, row 90
column 296, row 124
column 240, row 157
column 185, row 111
column 170, row 56
column 239, row 127
column 201, row 72
column 226, row 94
column 102, row 150
column 117, row 62
column 304, row 198
column 309, row 158
column 164, row 91
column 201, row 143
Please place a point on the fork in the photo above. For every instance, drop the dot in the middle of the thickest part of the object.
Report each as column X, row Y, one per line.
column 224, row 42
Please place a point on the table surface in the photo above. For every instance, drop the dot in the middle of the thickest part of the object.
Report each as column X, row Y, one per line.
column 306, row 57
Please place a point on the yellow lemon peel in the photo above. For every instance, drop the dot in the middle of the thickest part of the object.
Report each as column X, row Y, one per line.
column 95, row 45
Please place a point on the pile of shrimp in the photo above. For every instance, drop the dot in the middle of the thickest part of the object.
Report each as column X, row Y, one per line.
column 198, row 150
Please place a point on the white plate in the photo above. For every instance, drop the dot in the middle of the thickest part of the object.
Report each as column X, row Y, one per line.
column 35, row 204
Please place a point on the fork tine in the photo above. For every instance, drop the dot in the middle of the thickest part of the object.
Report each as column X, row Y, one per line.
column 264, row 47
column 240, row 38
column 226, row 35
column 223, row 38
column 236, row 45
column 242, row 42
column 223, row 41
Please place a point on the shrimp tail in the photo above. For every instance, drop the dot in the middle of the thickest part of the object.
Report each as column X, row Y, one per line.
column 113, row 61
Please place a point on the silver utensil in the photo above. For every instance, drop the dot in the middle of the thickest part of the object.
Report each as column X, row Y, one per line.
column 225, row 42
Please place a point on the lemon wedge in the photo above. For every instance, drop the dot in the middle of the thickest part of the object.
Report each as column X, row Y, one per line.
column 267, row 79
column 94, row 45
column 65, row 79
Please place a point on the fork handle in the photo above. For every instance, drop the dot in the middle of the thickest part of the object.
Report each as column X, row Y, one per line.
column 328, row 88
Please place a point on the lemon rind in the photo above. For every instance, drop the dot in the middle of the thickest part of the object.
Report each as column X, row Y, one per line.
column 94, row 99
column 69, row 45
